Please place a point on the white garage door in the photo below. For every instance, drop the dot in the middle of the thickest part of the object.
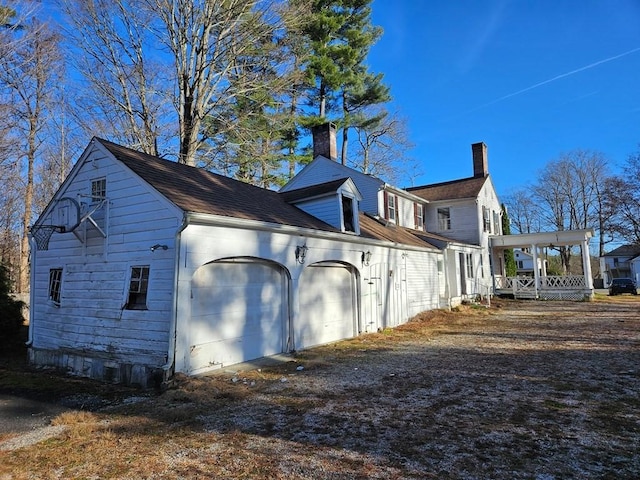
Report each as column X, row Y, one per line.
column 327, row 311
column 238, row 313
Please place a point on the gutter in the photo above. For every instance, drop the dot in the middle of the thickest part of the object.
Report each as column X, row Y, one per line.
column 173, row 327
column 232, row 222
column 32, row 289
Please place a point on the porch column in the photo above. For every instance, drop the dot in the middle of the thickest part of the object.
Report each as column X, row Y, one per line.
column 586, row 265
column 536, row 272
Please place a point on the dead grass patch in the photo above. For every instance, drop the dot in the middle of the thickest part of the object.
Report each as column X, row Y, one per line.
column 543, row 390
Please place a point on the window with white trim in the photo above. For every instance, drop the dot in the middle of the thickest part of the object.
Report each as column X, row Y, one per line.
column 348, row 214
column 418, row 216
column 486, row 219
column 497, row 224
column 391, row 207
column 444, row 219
column 138, row 287
column 98, row 189
column 55, row 285
column 469, row 265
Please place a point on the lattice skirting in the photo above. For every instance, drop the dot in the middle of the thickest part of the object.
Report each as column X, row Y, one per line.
column 564, row 295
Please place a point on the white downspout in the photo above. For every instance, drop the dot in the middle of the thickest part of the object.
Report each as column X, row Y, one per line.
column 32, row 290
column 171, row 351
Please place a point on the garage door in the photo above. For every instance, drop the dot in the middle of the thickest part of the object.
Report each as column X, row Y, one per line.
column 238, row 313
column 327, row 311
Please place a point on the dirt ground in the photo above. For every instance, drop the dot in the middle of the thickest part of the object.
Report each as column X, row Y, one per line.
column 521, row 390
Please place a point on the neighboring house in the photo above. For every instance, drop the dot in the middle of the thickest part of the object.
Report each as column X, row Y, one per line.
column 143, row 267
column 524, row 263
column 620, row 263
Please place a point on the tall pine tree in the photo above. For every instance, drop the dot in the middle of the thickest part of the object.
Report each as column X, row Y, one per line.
column 339, row 35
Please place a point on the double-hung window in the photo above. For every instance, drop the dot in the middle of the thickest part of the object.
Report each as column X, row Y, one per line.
column 444, row 219
column 55, row 285
column 138, row 286
column 486, row 219
column 418, row 216
column 392, row 207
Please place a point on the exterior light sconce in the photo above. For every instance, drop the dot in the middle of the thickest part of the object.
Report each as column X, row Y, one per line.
column 366, row 258
column 301, row 253
column 157, row 246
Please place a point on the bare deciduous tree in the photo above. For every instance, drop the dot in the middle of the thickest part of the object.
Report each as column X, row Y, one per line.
column 126, row 97
column 28, row 76
column 622, row 202
column 383, row 145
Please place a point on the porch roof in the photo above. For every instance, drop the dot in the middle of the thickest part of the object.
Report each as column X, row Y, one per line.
column 544, row 239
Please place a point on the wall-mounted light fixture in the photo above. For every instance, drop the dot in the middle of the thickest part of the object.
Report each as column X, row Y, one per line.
column 301, row 253
column 366, row 257
column 157, row 246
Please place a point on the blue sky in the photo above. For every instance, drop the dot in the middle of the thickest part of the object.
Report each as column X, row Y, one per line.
column 531, row 79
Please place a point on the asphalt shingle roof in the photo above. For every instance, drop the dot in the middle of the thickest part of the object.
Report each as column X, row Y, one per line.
column 452, row 190
column 200, row 191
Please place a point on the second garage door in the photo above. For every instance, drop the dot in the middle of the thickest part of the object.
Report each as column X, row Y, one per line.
column 327, row 305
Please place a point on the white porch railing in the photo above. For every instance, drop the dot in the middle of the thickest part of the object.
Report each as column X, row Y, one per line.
column 551, row 287
column 554, row 282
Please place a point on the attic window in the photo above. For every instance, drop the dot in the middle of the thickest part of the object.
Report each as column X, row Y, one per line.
column 444, row 219
column 138, row 286
column 347, row 214
column 98, row 189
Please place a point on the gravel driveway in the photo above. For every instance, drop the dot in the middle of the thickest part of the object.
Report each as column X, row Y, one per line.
column 540, row 390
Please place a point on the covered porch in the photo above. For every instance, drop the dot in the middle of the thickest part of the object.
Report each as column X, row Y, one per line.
column 542, row 286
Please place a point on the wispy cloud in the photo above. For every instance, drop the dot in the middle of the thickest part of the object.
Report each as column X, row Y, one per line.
column 558, row 77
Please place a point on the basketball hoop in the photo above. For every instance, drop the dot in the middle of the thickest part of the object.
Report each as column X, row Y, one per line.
column 42, row 234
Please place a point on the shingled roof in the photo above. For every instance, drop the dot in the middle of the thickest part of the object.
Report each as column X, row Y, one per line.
column 200, row 191
column 313, row 190
column 452, row 190
column 377, row 229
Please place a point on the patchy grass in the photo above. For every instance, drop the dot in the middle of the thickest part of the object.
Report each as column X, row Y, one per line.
column 544, row 390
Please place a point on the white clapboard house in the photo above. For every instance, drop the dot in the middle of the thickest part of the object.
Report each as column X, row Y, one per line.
column 143, row 267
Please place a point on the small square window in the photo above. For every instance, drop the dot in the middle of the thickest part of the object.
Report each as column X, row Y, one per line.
column 98, row 189
column 55, row 284
column 138, row 285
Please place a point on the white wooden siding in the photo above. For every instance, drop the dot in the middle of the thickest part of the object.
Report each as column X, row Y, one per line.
column 323, row 170
column 96, row 274
column 327, row 209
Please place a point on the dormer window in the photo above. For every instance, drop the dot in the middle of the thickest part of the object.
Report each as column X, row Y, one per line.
column 348, row 219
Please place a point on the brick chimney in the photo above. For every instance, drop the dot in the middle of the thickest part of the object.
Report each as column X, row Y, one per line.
column 480, row 162
column 324, row 141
